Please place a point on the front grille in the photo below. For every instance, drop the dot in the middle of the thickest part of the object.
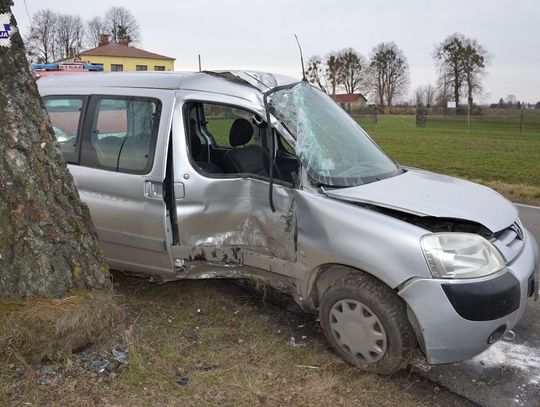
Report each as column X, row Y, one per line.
column 510, row 241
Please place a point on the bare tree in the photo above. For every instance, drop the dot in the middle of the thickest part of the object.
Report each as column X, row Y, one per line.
column 449, row 63
column 120, row 22
column 419, row 96
column 69, row 35
column 316, row 72
column 474, row 64
column 389, row 73
column 429, row 95
column 444, row 89
column 42, row 38
column 511, row 101
column 94, row 28
column 333, row 67
column 425, row 95
column 351, row 70
column 461, row 61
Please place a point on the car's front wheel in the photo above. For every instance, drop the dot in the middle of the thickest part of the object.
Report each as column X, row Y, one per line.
column 366, row 323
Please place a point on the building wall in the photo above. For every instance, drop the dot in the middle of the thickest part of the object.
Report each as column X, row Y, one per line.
column 129, row 64
column 349, row 107
column 358, row 104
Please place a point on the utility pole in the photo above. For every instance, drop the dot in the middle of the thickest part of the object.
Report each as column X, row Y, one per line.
column 200, row 63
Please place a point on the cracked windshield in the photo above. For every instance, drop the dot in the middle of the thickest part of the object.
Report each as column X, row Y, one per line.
column 333, row 147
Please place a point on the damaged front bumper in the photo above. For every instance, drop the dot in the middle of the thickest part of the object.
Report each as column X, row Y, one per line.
column 455, row 320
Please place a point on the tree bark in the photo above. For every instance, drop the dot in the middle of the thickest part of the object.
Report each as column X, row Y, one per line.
column 48, row 245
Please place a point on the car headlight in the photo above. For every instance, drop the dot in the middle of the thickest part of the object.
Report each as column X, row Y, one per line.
column 460, row 255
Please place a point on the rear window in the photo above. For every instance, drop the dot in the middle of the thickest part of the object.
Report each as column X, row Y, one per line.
column 65, row 115
column 122, row 134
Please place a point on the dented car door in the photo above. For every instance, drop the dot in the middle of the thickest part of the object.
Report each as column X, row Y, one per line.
column 224, row 221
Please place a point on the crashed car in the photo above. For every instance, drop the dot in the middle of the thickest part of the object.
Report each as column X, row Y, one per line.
column 262, row 177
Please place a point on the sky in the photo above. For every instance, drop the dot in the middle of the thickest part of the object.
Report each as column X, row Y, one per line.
column 259, row 35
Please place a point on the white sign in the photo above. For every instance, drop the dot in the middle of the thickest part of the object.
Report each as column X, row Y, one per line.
column 451, row 104
column 6, row 30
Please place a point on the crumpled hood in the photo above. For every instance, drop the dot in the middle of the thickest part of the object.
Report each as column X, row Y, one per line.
column 425, row 193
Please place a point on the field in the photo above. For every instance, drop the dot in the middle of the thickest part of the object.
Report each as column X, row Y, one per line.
column 490, row 153
column 209, row 343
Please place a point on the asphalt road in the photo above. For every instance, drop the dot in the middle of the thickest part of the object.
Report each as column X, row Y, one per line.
column 507, row 374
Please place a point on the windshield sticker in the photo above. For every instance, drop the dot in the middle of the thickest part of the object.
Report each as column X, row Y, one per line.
column 327, row 164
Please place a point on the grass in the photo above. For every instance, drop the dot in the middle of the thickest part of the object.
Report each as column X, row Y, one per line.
column 37, row 329
column 492, row 152
column 235, row 352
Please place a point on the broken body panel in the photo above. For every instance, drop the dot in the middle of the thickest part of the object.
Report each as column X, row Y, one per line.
column 178, row 222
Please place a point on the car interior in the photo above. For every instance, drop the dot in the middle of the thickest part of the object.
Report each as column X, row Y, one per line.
column 225, row 140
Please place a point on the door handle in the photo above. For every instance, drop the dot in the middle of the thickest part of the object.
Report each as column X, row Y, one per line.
column 153, row 189
column 179, row 190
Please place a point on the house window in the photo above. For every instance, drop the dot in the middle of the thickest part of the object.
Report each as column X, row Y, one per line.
column 141, row 67
column 117, row 67
column 159, row 68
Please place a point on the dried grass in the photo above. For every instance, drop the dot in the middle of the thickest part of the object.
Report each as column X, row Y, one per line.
column 38, row 329
column 521, row 193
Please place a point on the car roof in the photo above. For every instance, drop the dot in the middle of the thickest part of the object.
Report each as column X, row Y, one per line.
column 216, row 81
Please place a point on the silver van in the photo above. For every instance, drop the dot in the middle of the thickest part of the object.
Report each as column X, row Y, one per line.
column 256, row 176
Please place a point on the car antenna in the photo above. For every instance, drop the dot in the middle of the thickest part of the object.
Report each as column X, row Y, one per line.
column 304, row 79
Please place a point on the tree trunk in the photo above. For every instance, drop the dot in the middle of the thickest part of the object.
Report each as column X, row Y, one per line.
column 457, row 84
column 47, row 241
column 470, row 88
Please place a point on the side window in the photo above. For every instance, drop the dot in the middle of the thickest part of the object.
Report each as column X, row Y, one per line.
column 121, row 134
column 219, row 120
column 65, row 114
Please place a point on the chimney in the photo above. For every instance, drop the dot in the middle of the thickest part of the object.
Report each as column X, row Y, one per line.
column 124, row 40
column 103, row 39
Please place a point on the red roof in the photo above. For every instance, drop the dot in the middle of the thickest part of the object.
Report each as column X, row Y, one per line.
column 118, row 50
column 347, row 97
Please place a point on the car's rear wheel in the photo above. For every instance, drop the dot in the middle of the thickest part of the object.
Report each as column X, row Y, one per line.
column 366, row 323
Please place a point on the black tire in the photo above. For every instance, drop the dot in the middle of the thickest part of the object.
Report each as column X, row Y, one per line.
column 380, row 300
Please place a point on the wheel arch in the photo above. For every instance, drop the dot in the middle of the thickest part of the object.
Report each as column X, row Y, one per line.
column 323, row 275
